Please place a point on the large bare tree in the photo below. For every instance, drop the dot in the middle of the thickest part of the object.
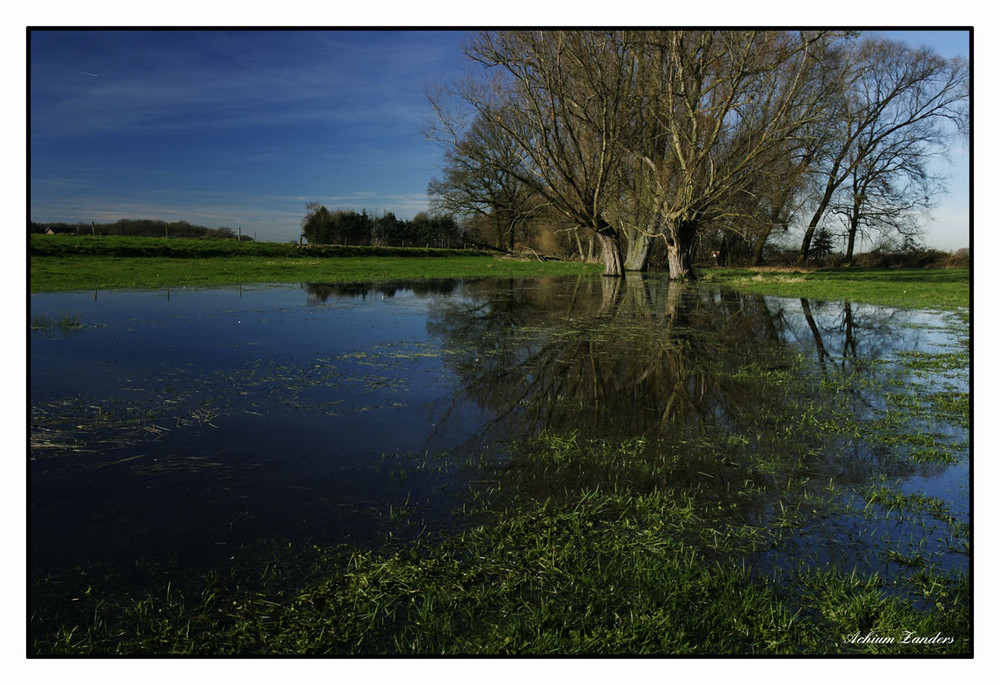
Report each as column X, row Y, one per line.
column 560, row 98
column 715, row 108
column 641, row 136
column 895, row 112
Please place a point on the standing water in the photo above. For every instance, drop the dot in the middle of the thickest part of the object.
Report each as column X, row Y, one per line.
column 175, row 433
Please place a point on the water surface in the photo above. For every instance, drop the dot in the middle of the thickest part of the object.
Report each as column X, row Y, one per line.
column 181, row 427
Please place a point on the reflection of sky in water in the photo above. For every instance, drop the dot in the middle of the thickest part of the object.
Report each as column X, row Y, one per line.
column 278, row 404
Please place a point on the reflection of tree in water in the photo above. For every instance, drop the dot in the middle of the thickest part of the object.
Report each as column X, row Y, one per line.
column 837, row 336
column 606, row 357
column 720, row 386
column 636, row 357
column 319, row 293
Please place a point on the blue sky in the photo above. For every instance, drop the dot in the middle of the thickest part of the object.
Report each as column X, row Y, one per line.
column 242, row 128
column 234, row 129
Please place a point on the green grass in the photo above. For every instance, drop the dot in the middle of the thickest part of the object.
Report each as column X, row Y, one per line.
column 103, row 272
column 201, row 248
column 96, row 262
column 101, row 262
column 605, row 573
column 914, row 288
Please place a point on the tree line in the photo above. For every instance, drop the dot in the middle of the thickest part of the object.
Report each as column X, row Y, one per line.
column 648, row 142
column 150, row 228
column 348, row 227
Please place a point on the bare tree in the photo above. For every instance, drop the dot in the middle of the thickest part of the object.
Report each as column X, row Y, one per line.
column 715, row 106
column 559, row 98
column 478, row 180
column 895, row 112
column 638, row 136
column 886, row 193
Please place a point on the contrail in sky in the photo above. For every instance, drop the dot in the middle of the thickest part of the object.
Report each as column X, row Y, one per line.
column 85, row 73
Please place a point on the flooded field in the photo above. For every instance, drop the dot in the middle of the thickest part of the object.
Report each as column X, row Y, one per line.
column 184, row 435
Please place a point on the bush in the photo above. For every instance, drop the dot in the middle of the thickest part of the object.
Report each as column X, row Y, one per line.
column 903, row 259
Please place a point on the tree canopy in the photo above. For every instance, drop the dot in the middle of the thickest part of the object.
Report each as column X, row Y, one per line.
column 320, row 226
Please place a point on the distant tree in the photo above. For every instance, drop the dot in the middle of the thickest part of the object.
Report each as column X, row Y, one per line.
column 385, row 230
column 822, row 245
column 885, row 195
column 478, row 180
column 317, row 226
column 154, row 228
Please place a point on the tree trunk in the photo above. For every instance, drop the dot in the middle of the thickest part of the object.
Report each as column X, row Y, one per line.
column 807, row 239
column 852, row 230
column 758, row 249
column 849, row 255
column 579, row 245
column 639, row 247
column 498, row 229
column 831, row 186
column 774, row 218
column 611, row 252
column 680, row 241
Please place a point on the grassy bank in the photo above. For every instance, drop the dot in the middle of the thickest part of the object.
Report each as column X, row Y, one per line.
column 92, row 263
column 591, row 572
column 202, row 248
column 95, row 262
column 918, row 288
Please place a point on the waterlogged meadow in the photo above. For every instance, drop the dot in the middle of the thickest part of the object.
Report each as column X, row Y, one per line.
column 497, row 466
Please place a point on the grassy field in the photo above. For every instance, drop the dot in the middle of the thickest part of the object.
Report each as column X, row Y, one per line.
column 918, row 288
column 95, row 262
column 92, row 263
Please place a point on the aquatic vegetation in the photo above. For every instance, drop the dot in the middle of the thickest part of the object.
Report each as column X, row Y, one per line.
column 65, row 323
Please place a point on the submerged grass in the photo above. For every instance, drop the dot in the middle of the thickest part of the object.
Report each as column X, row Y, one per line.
column 585, row 546
column 607, row 574
column 65, row 323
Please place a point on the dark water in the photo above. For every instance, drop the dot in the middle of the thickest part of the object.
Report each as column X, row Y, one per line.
column 180, row 427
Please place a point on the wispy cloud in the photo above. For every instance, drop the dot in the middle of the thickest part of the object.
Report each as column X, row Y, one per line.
column 221, row 80
column 231, row 128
